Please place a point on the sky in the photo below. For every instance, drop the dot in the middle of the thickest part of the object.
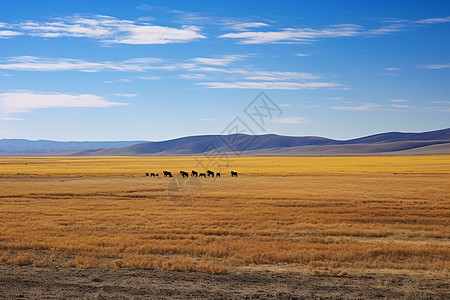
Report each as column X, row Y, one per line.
column 157, row 70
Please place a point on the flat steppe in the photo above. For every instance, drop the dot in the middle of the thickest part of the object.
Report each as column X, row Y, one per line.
column 306, row 227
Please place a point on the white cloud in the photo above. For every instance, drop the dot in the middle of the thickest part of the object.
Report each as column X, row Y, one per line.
column 391, row 69
column 127, row 95
column 336, row 98
column 31, row 63
column 386, row 29
column 246, row 26
column 109, row 29
column 399, row 100
column 117, row 80
column 277, row 76
column 193, row 76
column 291, row 120
column 139, row 35
column 147, row 77
column 26, row 101
column 302, row 54
column 441, row 102
column 285, row 105
column 6, row 34
column 221, row 61
column 437, row 66
column 401, row 105
column 268, row 85
column 433, row 20
column 292, row 35
column 365, row 107
column 306, row 35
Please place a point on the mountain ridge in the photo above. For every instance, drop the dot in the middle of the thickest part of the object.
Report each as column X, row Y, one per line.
column 241, row 144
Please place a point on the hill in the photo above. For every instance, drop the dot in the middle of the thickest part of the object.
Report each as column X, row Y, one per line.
column 390, row 143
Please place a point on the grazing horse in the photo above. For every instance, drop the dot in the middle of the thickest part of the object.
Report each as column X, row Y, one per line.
column 146, row 174
column 184, row 174
column 167, row 174
column 194, row 173
column 154, row 175
column 210, row 173
column 234, row 174
column 202, row 175
column 217, row 174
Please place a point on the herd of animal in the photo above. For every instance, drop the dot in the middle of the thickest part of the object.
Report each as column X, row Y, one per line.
column 208, row 173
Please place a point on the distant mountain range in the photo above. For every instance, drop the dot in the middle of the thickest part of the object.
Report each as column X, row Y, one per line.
column 391, row 143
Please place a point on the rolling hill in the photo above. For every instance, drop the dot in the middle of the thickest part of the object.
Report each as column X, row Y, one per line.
column 391, row 143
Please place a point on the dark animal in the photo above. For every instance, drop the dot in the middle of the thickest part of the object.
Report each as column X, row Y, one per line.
column 210, row 173
column 202, row 175
column 167, row 174
column 234, row 174
column 194, row 173
column 154, row 175
column 217, row 174
column 146, row 174
column 184, row 174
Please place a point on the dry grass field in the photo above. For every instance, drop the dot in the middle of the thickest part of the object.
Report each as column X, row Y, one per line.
column 333, row 216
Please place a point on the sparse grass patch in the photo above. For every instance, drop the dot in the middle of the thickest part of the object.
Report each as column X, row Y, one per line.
column 22, row 259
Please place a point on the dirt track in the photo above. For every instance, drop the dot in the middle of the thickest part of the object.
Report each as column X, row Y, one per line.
column 70, row 283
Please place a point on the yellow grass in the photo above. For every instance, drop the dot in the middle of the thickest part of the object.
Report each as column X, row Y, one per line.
column 327, row 214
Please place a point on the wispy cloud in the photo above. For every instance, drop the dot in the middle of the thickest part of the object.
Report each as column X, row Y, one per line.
column 386, row 29
column 277, row 76
column 268, row 85
column 127, row 95
column 365, row 107
column 302, row 54
column 193, row 76
column 26, row 101
column 198, row 68
column 336, row 98
column 108, row 29
column 247, row 26
column 308, row 35
column 291, row 120
column 440, row 102
column 7, row 34
column 292, row 35
column 392, row 69
column 399, row 100
column 437, row 66
column 401, row 106
column 220, row 61
column 433, row 20
column 31, row 63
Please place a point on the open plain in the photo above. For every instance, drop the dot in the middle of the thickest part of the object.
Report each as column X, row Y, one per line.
column 308, row 227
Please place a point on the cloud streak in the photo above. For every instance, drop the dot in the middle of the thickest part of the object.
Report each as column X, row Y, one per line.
column 107, row 29
column 292, row 35
column 437, row 66
column 291, row 120
column 308, row 35
column 268, row 85
column 31, row 63
column 365, row 107
column 221, row 61
column 26, row 101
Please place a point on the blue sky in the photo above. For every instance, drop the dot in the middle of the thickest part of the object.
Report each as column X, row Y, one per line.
column 155, row 70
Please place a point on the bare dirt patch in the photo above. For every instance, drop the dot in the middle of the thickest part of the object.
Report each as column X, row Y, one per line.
column 70, row 283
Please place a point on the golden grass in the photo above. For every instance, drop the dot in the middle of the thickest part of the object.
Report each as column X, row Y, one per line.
column 329, row 214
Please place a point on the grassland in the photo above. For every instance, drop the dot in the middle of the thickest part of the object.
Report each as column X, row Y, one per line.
column 320, row 215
